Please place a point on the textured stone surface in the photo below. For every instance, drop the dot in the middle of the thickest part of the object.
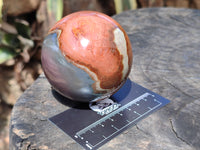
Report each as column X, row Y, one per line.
column 166, row 60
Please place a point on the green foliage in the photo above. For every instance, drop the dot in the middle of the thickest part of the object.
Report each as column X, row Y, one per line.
column 55, row 8
column 23, row 28
column 12, row 44
column 1, row 5
column 122, row 5
column 9, row 40
column 6, row 53
column 9, row 46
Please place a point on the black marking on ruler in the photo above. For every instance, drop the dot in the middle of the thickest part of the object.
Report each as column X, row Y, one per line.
column 91, row 130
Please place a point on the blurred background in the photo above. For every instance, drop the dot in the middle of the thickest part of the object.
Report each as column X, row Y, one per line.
column 23, row 26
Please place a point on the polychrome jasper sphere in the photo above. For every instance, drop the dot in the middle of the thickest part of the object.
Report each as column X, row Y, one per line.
column 86, row 56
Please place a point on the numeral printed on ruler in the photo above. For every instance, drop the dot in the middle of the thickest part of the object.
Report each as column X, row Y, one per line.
column 132, row 114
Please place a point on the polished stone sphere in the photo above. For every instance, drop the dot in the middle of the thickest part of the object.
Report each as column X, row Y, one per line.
column 86, row 56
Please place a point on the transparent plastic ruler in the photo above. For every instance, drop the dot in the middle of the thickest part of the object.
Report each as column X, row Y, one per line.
column 92, row 130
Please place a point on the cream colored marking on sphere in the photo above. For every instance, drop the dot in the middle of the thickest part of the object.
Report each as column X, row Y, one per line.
column 93, row 75
column 97, row 83
column 120, row 42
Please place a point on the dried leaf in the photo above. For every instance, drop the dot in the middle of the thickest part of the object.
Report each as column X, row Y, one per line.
column 25, row 42
column 8, row 28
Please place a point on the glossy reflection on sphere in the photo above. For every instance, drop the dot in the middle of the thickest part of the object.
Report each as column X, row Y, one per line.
column 86, row 56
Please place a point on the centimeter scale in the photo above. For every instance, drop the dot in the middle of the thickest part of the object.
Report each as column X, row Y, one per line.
column 91, row 129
